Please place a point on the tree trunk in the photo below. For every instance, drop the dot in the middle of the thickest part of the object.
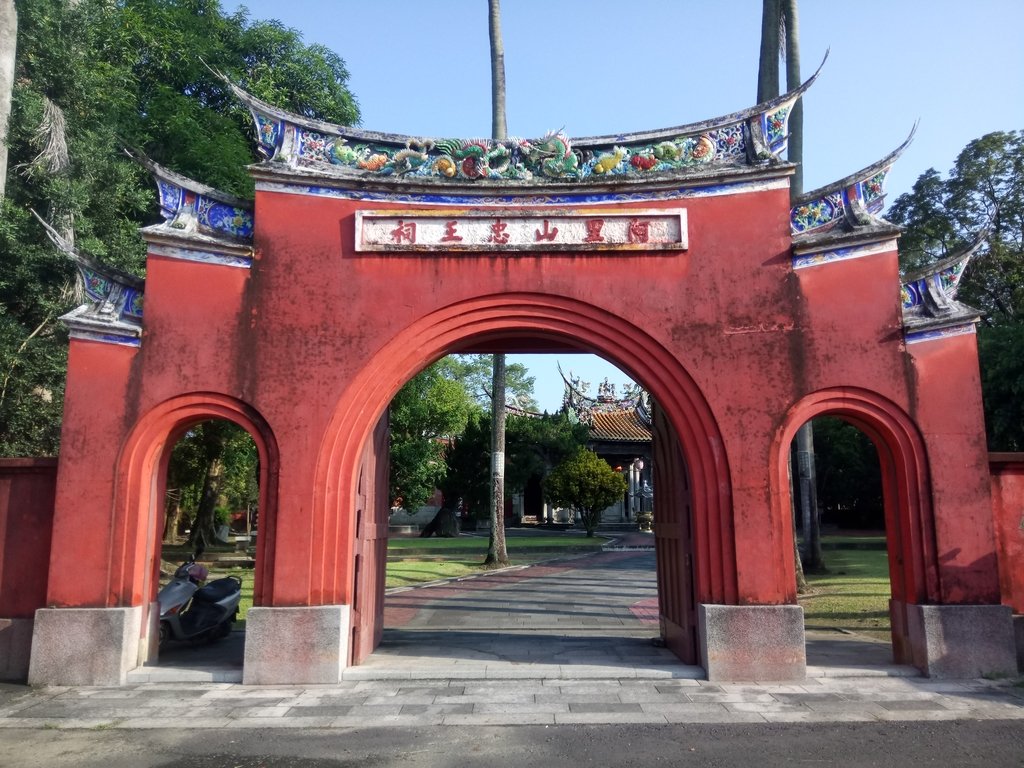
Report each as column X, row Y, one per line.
column 204, row 528
column 801, row 579
column 8, row 47
column 172, row 521
column 813, row 560
column 497, row 554
column 768, row 62
column 499, row 125
column 795, row 153
column 776, row 14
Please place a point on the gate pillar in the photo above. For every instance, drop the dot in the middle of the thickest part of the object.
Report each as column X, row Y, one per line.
column 296, row 646
column 752, row 642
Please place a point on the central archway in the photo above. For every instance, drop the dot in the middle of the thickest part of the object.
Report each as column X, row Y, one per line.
column 495, row 321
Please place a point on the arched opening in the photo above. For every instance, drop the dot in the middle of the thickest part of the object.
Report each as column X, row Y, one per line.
column 902, row 479
column 697, row 550
column 186, row 448
column 582, row 585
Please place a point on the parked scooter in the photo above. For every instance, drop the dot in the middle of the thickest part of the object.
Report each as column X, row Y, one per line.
column 190, row 611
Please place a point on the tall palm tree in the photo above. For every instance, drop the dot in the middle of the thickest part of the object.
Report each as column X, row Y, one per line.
column 8, row 45
column 780, row 34
column 497, row 553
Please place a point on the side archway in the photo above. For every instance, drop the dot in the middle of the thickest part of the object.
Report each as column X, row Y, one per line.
column 142, row 479
column 910, row 530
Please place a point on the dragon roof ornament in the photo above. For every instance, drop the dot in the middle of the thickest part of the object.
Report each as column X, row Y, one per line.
column 577, row 400
column 928, row 295
column 112, row 311
column 196, row 211
column 849, row 204
column 752, row 137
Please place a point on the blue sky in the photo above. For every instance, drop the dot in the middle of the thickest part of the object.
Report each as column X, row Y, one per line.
column 595, row 67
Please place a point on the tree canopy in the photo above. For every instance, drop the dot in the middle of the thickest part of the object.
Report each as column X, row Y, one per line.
column 586, row 483
column 91, row 77
column 534, row 445
column 426, row 414
column 983, row 194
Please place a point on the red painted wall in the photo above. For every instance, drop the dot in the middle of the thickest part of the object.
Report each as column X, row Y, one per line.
column 317, row 338
column 1008, row 513
column 26, row 519
column 947, row 405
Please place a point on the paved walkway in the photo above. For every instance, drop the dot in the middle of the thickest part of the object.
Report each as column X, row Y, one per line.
column 570, row 641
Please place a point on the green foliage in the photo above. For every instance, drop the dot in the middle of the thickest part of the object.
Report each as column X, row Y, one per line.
column 1001, row 352
column 586, row 483
column 848, row 475
column 468, row 467
column 474, row 371
column 130, row 73
column 427, row 412
column 532, row 447
column 984, row 192
column 441, row 434
column 213, row 472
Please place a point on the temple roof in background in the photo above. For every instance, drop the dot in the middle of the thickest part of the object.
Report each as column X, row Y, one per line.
column 611, row 417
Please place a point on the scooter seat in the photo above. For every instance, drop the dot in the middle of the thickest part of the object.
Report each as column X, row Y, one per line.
column 216, row 590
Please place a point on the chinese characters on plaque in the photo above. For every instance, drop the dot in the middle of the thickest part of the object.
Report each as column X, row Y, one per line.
column 517, row 231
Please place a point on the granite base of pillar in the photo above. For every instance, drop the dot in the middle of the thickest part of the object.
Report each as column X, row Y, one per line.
column 15, row 649
column 962, row 641
column 752, row 642
column 307, row 645
column 84, row 646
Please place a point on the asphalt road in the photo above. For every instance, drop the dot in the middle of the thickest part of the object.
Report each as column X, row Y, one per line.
column 949, row 744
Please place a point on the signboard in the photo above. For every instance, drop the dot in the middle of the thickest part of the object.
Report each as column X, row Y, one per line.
column 521, row 231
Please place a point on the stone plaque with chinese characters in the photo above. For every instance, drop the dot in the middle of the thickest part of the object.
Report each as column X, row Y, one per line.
column 519, row 230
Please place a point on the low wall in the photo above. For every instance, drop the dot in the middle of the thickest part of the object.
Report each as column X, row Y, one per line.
column 27, row 488
column 1007, row 476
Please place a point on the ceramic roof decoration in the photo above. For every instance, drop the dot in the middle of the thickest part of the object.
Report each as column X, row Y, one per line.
column 750, row 138
column 191, row 208
column 112, row 311
column 625, row 418
column 848, row 204
column 201, row 223
column 928, row 296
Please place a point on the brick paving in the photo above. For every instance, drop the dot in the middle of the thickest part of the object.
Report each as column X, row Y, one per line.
column 561, row 643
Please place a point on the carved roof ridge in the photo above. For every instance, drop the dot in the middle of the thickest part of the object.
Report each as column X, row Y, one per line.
column 928, row 295
column 163, row 173
column 754, row 138
column 399, row 139
column 865, row 173
column 88, row 262
column 195, row 211
column 705, row 125
column 112, row 312
column 961, row 254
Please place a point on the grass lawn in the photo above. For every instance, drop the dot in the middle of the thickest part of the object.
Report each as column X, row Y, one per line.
column 853, row 595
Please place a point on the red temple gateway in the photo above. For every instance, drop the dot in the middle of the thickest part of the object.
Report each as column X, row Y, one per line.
column 675, row 254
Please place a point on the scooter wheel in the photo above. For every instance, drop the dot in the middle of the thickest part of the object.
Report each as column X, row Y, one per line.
column 165, row 635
